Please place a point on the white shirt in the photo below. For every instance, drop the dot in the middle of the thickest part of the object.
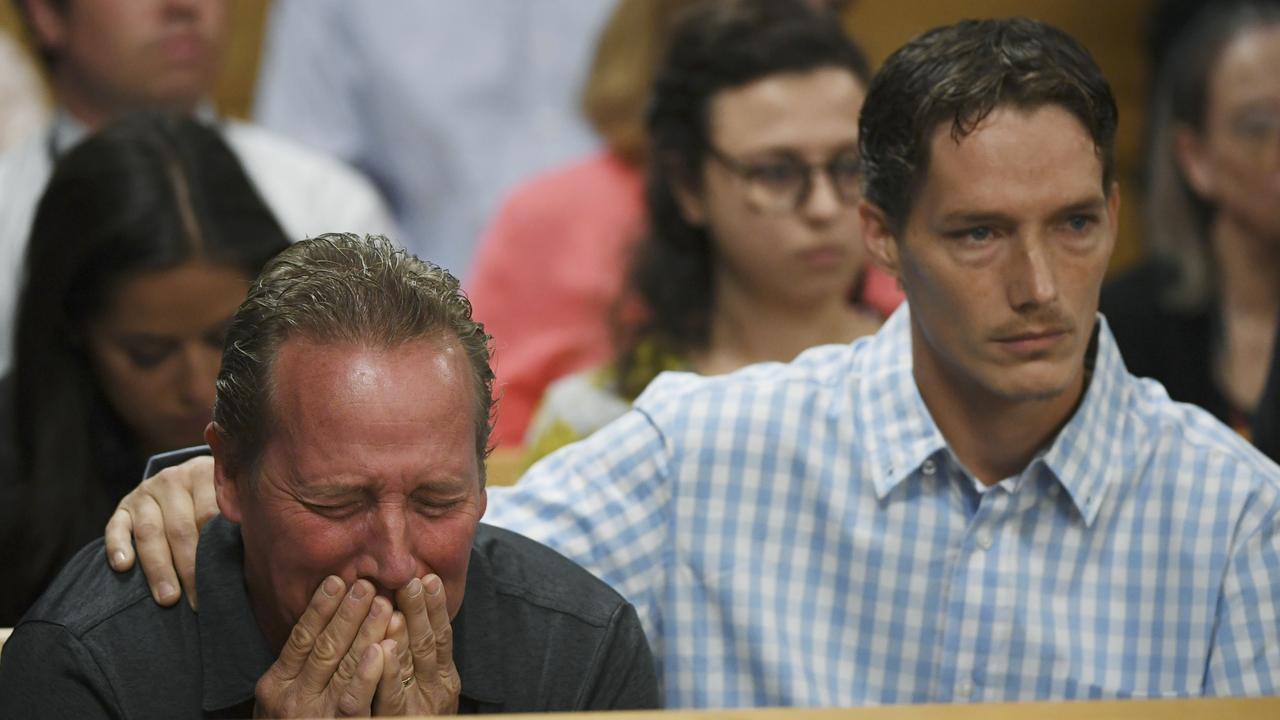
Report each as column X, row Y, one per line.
column 308, row 192
column 446, row 106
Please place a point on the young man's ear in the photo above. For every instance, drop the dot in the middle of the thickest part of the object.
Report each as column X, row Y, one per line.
column 225, row 474
column 880, row 238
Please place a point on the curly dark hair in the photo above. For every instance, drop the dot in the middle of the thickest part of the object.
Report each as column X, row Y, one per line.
column 958, row 74
column 716, row 45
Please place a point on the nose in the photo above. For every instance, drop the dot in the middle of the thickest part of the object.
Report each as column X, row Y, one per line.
column 391, row 561
column 822, row 203
column 1032, row 280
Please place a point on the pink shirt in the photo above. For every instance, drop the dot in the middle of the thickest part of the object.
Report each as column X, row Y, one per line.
column 549, row 268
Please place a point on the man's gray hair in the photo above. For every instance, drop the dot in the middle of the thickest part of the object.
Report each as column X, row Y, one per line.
column 339, row 288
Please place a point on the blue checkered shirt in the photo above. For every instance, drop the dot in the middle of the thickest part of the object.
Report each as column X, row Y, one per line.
column 801, row 534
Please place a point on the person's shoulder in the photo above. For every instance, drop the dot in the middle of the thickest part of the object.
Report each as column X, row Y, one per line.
column 87, row 594
column 258, row 145
column 599, row 185
column 815, row 371
column 534, row 574
column 21, row 158
column 309, row 191
column 1192, row 434
column 24, row 170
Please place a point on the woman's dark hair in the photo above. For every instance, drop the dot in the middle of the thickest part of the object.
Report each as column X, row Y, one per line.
column 1178, row 219
column 716, row 45
column 150, row 192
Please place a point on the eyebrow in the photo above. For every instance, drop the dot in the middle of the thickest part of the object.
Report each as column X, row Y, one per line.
column 1090, row 204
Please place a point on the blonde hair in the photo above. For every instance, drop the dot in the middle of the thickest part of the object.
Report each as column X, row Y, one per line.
column 627, row 54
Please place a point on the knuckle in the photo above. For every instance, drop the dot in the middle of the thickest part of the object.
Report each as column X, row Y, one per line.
column 325, row 649
column 348, row 704
column 147, row 528
column 301, row 638
column 444, row 636
column 424, row 643
column 346, row 668
column 181, row 534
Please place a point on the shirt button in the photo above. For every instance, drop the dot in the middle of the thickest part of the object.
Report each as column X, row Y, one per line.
column 929, row 467
column 984, row 539
column 964, row 689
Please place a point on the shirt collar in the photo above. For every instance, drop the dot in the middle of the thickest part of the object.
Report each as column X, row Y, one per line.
column 234, row 653
column 1085, row 457
column 476, row 646
column 65, row 131
column 899, row 433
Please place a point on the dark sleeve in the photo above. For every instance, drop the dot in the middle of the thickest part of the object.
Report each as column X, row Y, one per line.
column 46, row 672
column 623, row 673
column 1266, row 420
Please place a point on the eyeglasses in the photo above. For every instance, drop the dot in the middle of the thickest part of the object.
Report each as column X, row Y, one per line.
column 784, row 182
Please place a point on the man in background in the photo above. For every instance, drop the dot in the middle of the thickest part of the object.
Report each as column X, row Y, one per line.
column 106, row 58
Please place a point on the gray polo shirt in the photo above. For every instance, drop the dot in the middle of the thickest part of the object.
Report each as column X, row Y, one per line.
column 535, row 633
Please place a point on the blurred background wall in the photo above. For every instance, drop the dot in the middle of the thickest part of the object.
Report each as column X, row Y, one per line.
column 1114, row 32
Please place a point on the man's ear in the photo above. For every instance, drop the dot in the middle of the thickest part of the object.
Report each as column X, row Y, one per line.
column 880, row 238
column 1113, row 208
column 1192, row 158
column 225, row 474
column 48, row 26
column 688, row 194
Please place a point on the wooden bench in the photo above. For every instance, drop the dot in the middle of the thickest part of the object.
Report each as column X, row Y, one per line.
column 1234, row 708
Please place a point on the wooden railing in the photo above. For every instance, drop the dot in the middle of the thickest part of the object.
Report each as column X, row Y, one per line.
column 1216, row 709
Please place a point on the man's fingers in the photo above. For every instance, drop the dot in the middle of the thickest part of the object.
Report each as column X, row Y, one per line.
column 357, row 698
column 372, row 631
column 336, row 638
column 153, row 547
column 421, row 600
column 391, row 699
column 398, row 630
column 441, row 628
column 296, row 650
column 204, row 493
column 180, row 530
column 119, row 536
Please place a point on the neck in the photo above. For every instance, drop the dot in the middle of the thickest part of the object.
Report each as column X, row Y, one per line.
column 264, row 609
column 993, row 436
column 93, row 109
column 746, row 329
column 1248, row 270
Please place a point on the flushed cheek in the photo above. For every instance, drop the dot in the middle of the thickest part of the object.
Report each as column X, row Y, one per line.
column 314, row 553
column 446, row 548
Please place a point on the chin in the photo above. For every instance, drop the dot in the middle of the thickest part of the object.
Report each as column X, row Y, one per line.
column 1033, row 384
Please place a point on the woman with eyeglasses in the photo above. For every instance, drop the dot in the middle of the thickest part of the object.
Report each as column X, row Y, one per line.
column 752, row 250
column 1201, row 316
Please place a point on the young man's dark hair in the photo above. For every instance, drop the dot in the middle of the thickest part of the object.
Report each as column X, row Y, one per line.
column 958, row 74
